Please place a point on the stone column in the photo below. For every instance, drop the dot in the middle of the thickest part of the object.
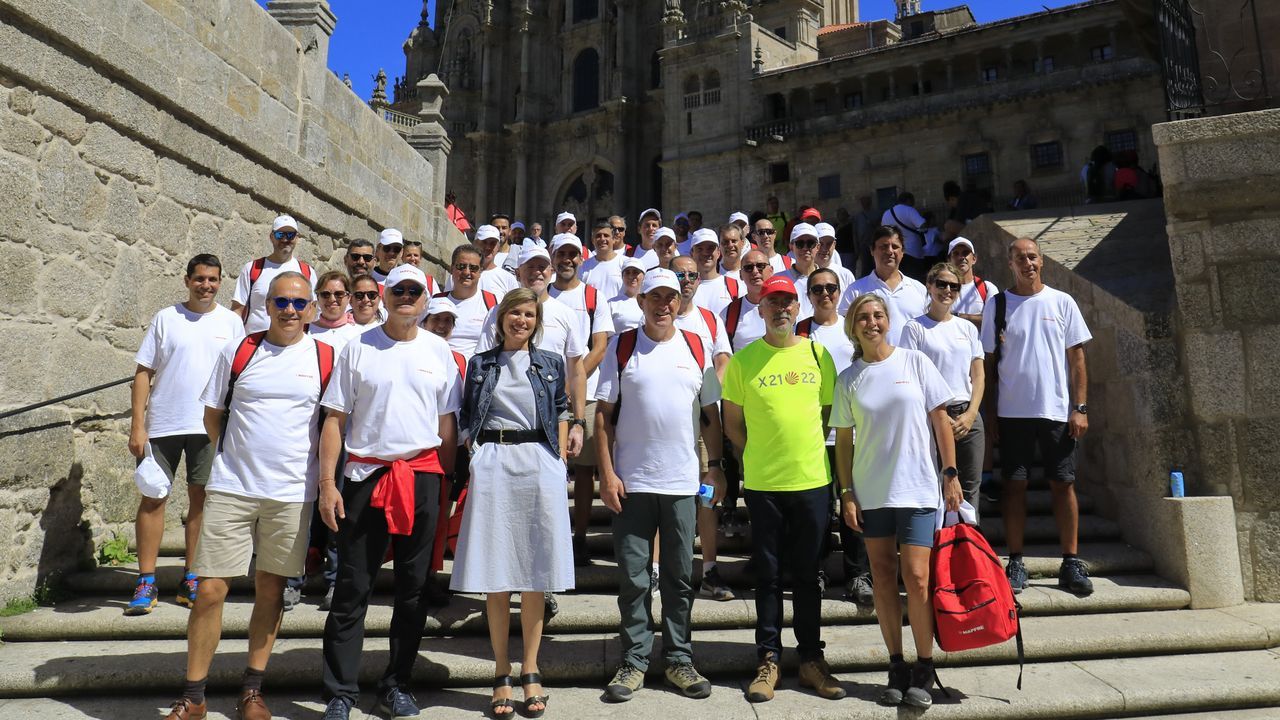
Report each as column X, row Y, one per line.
column 893, row 92
column 521, row 147
column 429, row 137
column 919, row 80
column 526, row 73
column 311, row 22
column 620, row 54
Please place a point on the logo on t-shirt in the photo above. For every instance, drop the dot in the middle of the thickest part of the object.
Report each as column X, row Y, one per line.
column 791, row 378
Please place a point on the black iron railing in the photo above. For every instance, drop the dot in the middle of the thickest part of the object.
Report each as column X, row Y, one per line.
column 1213, row 63
column 64, row 398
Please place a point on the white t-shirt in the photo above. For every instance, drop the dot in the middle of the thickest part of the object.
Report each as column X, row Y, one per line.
column 844, row 279
column 888, row 403
column 907, row 301
column 336, row 338
column 393, row 394
column 909, row 221
column 269, row 448
column 467, row 327
column 715, row 295
column 496, row 280
column 736, row 274
column 970, row 301
column 750, row 324
column 648, row 257
column 779, row 262
column 626, row 312
column 603, row 275
column 952, row 346
column 559, row 331
column 832, row 338
column 662, row 391
column 1034, row 379
column 576, row 300
column 182, row 347
column 713, row 337
column 257, row 300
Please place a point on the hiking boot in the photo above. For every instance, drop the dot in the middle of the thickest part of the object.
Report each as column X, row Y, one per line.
column 714, row 587
column 761, row 688
column 436, row 594
column 327, row 602
column 1017, row 574
column 187, row 590
column 292, row 596
column 917, row 694
column 859, row 591
column 337, row 709
column 653, row 580
column 899, row 682
column 1073, row 577
column 396, row 703
column 581, row 557
column 816, row 674
column 551, row 606
column 184, row 709
column 688, row 681
column 626, row 681
column 145, row 599
column 251, row 707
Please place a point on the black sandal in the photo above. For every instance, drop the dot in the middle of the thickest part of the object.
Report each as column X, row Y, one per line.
column 533, row 679
column 500, row 682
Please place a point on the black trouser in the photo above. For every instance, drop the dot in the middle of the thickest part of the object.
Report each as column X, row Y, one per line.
column 362, row 546
column 793, row 522
column 732, row 475
column 854, row 549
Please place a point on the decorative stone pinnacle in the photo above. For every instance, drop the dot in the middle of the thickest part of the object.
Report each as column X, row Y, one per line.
column 379, row 88
column 673, row 15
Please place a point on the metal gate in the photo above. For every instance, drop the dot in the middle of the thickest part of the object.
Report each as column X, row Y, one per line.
column 1212, row 55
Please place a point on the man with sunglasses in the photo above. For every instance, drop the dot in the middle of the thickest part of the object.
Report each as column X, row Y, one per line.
column 603, row 270
column 804, row 246
column 359, row 258
column 742, row 320
column 263, row 416
column 470, row 303
column 904, row 297
column 764, row 237
column 494, row 278
column 394, row 394
column 250, row 298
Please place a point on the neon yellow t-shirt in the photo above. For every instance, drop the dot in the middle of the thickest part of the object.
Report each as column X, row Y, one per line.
column 782, row 393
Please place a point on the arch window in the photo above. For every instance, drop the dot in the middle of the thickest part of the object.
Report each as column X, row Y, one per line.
column 711, row 88
column 584, row 10
column 586, row 80
column 692, row 92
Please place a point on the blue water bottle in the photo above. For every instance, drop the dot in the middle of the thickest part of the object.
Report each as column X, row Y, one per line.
column 1176, row 487
column 706, row 493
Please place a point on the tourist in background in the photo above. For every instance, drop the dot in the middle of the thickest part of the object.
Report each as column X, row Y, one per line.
column 912, row 229
column 623, row 306
column 1022, row 197
column 250, row 297
column 904, row 297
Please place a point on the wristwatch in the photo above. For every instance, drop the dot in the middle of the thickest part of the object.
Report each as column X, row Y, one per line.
column 950, row 473
column 1082, row 408
column 580, row 422
column 718, row 464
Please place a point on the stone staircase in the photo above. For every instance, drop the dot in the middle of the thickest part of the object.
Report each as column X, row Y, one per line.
column 1132, row 649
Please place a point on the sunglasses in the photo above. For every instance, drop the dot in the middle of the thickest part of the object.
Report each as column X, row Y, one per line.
column 467, row 267
column 754, row 267
column 944, row 285
column 686, row 276
column 805, row 244
column 414, row 292
column 766, row 232
column 299, row 304
column 365, row 295
column 284, row 234
column 831, row 289
column 332, row 294
column 392, row 249
column 619, row 230
column 360, row 257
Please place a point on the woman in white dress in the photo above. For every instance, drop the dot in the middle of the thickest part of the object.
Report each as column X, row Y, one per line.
column 515, row 534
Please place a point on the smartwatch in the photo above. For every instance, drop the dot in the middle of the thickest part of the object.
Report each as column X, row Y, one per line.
column 950, row 473
column 1082, row 408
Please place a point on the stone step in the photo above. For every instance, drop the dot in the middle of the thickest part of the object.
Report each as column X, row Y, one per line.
column 100, row 618
column 1209, row 640
column 1103, row 558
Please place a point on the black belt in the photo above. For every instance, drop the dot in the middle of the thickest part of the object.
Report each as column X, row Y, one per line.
column 958, row 409
column 510, row 437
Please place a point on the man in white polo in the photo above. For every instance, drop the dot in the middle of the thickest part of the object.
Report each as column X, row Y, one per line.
column 395, row 392
column 262, row 412
column 715, row 291
column 471, row 303
column 651, row 478
column 250, row 297
column 494, row 278
column 603, row 270
column 904, row 297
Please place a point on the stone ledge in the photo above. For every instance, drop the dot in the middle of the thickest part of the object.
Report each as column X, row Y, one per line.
column 1217, row 128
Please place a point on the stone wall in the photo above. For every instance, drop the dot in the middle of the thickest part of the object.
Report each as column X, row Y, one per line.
column 134, row 134
column 1222, row 178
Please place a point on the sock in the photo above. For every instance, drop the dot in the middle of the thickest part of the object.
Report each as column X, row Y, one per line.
column 146, row 579
column 896, row 659
column 252, row 679
column 926, row 661
column 193, row 690
column 708, row 567
column 1015, row 557
column 1068, row 556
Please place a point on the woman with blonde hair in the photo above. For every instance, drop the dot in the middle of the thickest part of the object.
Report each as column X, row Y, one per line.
column 889, row 483
column 515, row 534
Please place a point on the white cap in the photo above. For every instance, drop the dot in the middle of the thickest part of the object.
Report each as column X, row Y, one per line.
column 664, row 232
column 487, row 232
column 650, row 211
column 518, row 224
column 530, row 252
column 705, row 235
column 803, row 229
column 563, row 239
column 825, row 230
column 390, row 236
column 960, row 241
column 442, row 305
column 659, row 277
column 565, row 216
column 635, row 263
column 400, row 273
column 284, row 221
column 740, row 216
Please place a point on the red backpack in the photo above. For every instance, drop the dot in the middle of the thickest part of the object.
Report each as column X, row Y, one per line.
column 244, row 353
column 489, row 298
column 710, row 319
column 804, row 328
column 981, row 286
column 255, row 272
column 973, row 604
column 732, row 316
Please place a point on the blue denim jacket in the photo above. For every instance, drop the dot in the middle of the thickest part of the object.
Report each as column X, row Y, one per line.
column 546, row 373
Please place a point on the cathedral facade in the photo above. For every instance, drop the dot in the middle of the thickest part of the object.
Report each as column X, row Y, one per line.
column 598, row 107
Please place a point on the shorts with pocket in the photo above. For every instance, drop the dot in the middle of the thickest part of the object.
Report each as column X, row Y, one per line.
column 1019, row 438
column 587, row 458
column 911, row 526
column 235, row 527
column 198, row 450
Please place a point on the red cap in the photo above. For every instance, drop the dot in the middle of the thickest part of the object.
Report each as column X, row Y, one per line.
column 778, row 284
column 811, row 213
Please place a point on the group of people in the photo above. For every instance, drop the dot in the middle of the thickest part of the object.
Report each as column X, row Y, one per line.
column 334, row 420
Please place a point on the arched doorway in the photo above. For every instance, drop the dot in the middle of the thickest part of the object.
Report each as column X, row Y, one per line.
column 588, row 194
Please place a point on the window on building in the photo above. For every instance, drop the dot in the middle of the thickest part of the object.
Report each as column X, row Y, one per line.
column 711, row 88
column 780, row 32
column 1101, row 53
column 828, row 187
column 1042, row 65
column 977, row 166
column 586, row 80
column 775, row 106
column 692, row 92
column 584, row 10
column 1121, row 140
column 1046, row 155
column 917, row 28
column 779, row 172
column 688, row 123
column 990, row 74
column 886, row 197
column 852, row 100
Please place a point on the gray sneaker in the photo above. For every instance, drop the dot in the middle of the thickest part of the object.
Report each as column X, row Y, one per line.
column 626, row 681
column 688, row 680
column 714, row 587
column 1017, row 574
column 899, row 682
column 859, row 590
column 917, row 694
column 292, row 596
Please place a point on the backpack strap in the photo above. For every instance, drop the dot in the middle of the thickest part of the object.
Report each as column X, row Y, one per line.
column 710, row 319
column 694, row 342
column 305, row 269
column 324, row 358
column 244, row 353
column 462, row 364
column 732, row 286
column 981, row 286
column 591, row 296
column 1002, row 305
column 489, row 299
column 787, row 262
column 625, row 349
column 804, row 328
column 255, row 272
column 731, row 318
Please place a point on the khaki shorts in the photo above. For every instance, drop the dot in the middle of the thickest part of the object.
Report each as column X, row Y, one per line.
column 235, row 527
column 587, row 458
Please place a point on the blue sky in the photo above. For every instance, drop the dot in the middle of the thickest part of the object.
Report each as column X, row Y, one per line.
column 370, row 33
